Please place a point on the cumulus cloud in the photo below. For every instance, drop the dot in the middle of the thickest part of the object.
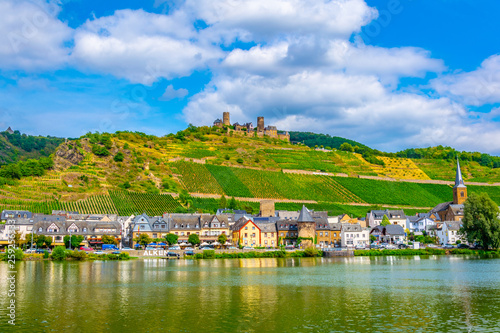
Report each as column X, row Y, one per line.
column 141, row 47
column 478, row 87
column 31, row 37
column 171, row 93
column 260, row 20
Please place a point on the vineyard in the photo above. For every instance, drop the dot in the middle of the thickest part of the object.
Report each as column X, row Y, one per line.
column 128, row 203
column 196, row 178
column 96, row 204
column 229, row 182
column 399, row 168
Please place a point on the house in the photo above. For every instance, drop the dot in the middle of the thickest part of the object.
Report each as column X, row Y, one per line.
column 394, row 234
column 419, row 223
column 269, row 234
column 336, row 233
column 396, row 217
column 245, row 232
column 218, row 123
column 448, row 232
column 323, row 234
column 183, row 225
column 212, row 226
column 14, row 214
column 140, row 225
column 353, row 235
column 288, row 232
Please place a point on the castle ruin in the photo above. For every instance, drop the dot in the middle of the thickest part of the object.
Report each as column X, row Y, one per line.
column 248, row 128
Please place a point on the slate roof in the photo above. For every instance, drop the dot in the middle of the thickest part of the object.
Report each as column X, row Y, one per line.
column 16, row 213
column 459, row 181
column 351, row 227
column 453, row 225
column 305, row 216
column 266, row 227
column 64, row 225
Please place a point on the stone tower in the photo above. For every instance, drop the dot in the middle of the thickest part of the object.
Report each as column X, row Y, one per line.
column 307, row 228
column 459, row 190
column 260, row 124
column 267, row 208
column 225, row 119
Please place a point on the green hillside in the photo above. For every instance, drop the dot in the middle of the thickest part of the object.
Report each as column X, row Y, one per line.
column 127, row 173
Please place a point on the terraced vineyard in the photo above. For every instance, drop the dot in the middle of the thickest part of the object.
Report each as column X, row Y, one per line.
column 196, row 178
column 97, row 204
column 128, row 203
column 42, row 207
column 229, row 182
column 399, row 168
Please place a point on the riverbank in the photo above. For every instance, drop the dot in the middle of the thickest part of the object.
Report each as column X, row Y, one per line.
column 427, row 251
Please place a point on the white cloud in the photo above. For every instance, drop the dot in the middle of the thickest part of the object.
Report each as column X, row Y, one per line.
column 478, row 87
column 141, row 47
column 260, row 20
column 31, row 37
column 352, row 106
column 171, row 93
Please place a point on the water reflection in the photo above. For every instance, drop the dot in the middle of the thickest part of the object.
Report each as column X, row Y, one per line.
column 258, row 295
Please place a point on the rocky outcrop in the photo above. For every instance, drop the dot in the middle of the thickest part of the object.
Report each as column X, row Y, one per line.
column 66, row 156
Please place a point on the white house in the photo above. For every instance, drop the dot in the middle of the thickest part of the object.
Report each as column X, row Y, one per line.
column 396, row 217
column 448, row 232
column 419, row 224
column 353, row 234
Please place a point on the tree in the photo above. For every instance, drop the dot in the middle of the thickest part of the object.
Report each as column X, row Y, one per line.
column 109, row 240
column 373, row 238
column 222, row 239
column 171, row 239
column 347, row 147
column 75, row 241
column 233, row 204
column 385, row 221
column 225, row 140
column 59, row 253
column 222, row 202
column 480, row 223
column 119, row 157
column 194, row 239
column 143, row 240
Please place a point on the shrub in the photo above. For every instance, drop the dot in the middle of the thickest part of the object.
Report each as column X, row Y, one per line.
column 78, row 255
column 198, row 256
column 124, row 256
column 59, row 253
column 45, row 254
column 11, row 254
column 112, row 256
column 225, row 140
column 239, row 160
column 208, row 254
column 311, row 252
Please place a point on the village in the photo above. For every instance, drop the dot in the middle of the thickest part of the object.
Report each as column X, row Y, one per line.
column 236, row 229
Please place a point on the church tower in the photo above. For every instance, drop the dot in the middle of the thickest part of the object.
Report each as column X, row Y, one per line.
column 459, row 190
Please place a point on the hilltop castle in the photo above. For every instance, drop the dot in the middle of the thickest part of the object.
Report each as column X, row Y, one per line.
column 260, row 131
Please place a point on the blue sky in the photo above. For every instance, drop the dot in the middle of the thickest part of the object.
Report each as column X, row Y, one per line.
column 391, row 74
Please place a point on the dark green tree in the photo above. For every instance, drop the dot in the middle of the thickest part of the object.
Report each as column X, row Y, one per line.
column 222, row 239
column 233, row 204
column 222, row 202
column 75, row 240
column 143, row 240
column 385, row 221
column 480, row 223
column 194, row 239
column 171, row 239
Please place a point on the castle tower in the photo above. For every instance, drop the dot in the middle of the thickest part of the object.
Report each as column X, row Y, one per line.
column 225, row 119
column 307, row 228
column 459, row 190
column 260, row 124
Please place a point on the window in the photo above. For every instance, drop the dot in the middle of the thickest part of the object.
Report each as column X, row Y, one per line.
column 265, row 234
column 154, row 236
column 281, row 233
column 265, row 242
column 163, row 226
column 253, row 235
column 321, row 234
column 40, row 229
column 462, row 194
column 326, row 233
column 253, row 228
column 334, row 234
column 246, row 235
column 84, row 229
column 177, row 233
column 188, row 233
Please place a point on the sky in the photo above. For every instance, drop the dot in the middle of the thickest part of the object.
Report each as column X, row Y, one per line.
column 391, row 74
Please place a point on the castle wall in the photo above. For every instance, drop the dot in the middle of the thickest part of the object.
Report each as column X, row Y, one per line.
column 307, row 230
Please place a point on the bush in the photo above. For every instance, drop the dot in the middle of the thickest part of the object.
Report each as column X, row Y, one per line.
column 59, row 253
column 78, row 255
column 239, row 160
column 113, row 256
column 311, row 252
column 208, row 254
column 124, row 256
column 45, row 254
column 198, row 256
column 11, row 254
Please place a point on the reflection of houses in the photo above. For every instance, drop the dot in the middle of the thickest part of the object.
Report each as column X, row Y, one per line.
column 396, row 217
column 390, row 233
column 448, row 232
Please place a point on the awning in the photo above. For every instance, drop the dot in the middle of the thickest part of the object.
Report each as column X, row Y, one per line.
column 57, row 244
column 4, row 242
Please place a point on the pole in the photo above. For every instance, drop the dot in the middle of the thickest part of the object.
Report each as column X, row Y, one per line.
column 32, row 230
column 70, row 239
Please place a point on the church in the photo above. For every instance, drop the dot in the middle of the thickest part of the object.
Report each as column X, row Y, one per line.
column 453, row 210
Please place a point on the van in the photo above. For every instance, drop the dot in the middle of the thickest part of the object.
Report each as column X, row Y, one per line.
column 109, row 247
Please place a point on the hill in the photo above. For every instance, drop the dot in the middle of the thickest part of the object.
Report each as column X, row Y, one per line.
column 15, row 147
column 130, row 172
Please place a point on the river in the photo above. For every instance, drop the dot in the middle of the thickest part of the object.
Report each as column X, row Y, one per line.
column 385, row 294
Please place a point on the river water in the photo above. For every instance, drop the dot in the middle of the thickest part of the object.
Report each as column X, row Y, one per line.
column 390, row 294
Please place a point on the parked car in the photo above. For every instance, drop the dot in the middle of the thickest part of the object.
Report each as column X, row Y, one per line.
column 288, row 247
column 431, row 245
column 403, row 246
column 247, row 248
column 205, row 248
column 189, row 249
column 86, row 249
column 462, row 246
column 149, row 248
column 448, row 246
column 175, row 247
column 173, row 254
column 383, row 245
column 99, row 252
column 42, row 250
column 127, row 249
column 359, row 247
column 109, row 247
column 391, row 247
column 30, row 251
column 189, row 253
column 476, row 247
column 232, row 248
column 115, row 252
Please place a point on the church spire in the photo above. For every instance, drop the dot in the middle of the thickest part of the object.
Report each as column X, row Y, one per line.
column 459, row 181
